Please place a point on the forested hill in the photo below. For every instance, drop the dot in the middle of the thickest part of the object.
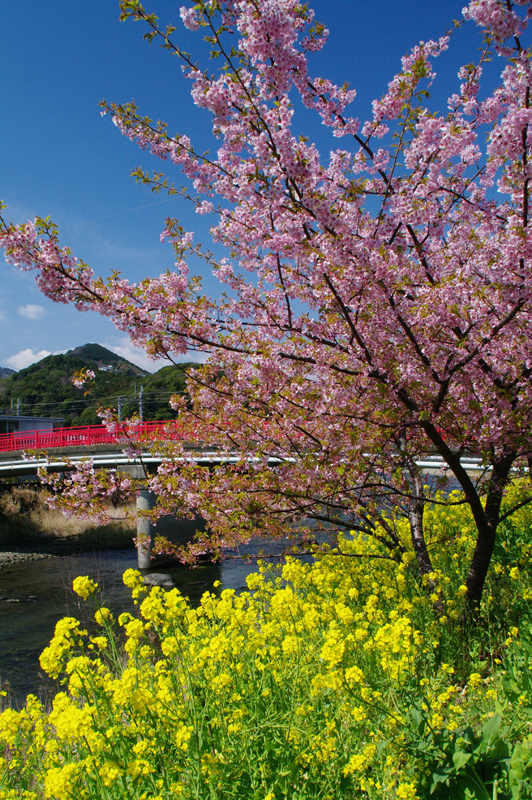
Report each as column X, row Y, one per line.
column 45, row 389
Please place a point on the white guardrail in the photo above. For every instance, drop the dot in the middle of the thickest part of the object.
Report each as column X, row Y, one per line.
column 29, row 465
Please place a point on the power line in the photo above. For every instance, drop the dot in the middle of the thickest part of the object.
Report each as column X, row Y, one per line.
column 116, row 214
column 78, row 406
column 131, row 398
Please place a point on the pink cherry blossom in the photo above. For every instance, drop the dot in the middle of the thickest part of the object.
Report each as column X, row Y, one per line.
column 377, row 306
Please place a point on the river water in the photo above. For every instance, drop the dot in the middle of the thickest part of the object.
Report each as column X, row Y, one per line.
column 34, row 595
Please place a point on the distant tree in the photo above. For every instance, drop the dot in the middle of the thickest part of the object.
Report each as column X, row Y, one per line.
column 378, row 303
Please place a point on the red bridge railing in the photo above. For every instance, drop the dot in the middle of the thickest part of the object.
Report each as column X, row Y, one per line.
column 83, row 436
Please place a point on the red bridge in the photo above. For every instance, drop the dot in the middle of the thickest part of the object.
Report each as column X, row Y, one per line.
column 85, row 436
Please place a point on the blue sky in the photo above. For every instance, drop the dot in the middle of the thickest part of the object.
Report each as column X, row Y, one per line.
column 59, row 157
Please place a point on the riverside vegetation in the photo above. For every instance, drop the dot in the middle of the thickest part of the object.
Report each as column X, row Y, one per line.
column 27, row 519
column 350, row 677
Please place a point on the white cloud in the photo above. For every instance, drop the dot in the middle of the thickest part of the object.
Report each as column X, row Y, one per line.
column 24, row 358
column 139, row 357
column 135, row 355
column 192, row 355
column 32, row 311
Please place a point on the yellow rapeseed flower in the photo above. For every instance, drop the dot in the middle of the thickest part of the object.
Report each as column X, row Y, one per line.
column 84, row 586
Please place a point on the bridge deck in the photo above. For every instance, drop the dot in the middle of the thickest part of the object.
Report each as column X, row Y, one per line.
column 22, row 454
column 85, row 436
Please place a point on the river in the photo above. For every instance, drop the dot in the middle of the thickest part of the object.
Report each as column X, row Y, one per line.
column 35, row 594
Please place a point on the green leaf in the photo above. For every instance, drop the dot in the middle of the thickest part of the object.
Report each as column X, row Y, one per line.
column 468, row 787
column 440, row 776
column 490, row 731
column 460, row 758
column 520, row 772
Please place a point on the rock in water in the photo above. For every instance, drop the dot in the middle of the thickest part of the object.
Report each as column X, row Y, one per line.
column 159, row 579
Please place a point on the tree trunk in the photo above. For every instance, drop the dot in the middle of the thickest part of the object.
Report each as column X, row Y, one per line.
column 415, row 516
column 487, row 530
column 416, row 505
column 478, row 569
column 486, row 517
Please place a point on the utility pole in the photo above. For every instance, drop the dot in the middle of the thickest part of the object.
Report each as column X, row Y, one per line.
column 141, row 404
column 120, row 404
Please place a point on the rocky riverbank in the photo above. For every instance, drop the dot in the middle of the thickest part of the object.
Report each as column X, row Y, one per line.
column 30, row 530
column 60, row 547
column 8, row 558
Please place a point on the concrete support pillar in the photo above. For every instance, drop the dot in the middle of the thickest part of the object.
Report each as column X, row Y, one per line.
column 145, row 502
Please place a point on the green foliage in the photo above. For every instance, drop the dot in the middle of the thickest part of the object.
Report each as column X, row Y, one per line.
column 46, row 389
column 466, row 764
column 157, row 389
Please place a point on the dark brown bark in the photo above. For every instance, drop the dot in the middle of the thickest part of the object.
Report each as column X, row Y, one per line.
column 487, row 529
column 486, row 516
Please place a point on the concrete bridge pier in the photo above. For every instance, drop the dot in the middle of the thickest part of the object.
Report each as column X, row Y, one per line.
column 145, row 528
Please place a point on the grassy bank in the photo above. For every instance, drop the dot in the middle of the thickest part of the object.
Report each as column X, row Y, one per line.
column 27, row 519
column 338, row 679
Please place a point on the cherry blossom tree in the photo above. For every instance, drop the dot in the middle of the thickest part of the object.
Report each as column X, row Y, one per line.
column 377, row 301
